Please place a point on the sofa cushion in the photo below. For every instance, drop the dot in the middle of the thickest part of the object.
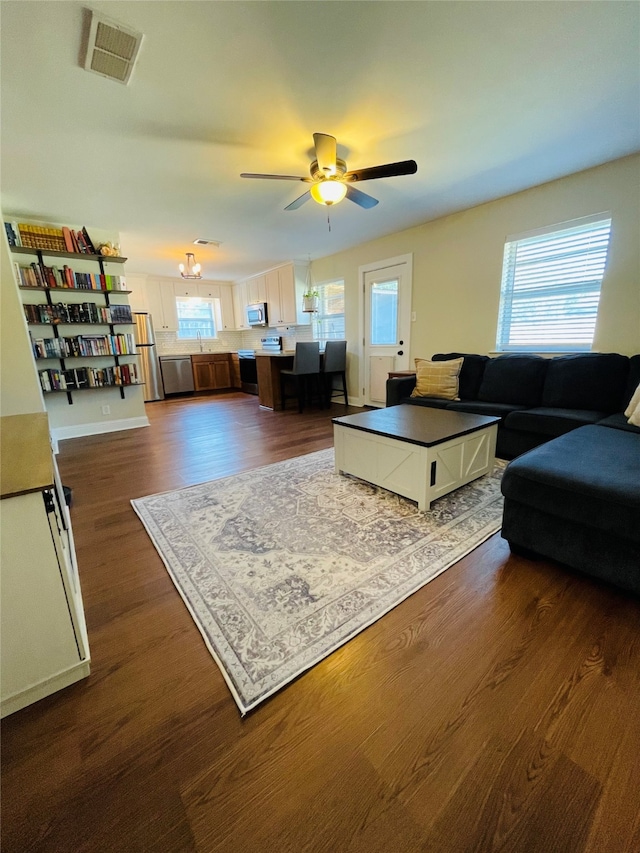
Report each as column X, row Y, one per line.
column 430, row 402
column 618, row 421
column 551, row 422
column 591, row 475
column 513, row 378
column 478, row 407
column 471, row 373
column 591, row 380
column 437, row 378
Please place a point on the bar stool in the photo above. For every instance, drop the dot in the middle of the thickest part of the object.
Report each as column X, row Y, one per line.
column 335, row 364
column 306, row 369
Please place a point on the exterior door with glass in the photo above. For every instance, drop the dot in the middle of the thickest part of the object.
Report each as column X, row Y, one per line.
column 386, row 324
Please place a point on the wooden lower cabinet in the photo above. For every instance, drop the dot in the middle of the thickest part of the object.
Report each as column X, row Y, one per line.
column 211, row 371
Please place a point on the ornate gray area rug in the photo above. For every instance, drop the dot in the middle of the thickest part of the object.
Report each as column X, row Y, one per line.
column 281, row 565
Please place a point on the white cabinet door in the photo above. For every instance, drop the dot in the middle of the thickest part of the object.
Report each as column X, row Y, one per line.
column 207, row 290
column 226, row 308
column 281, row 296
column 256, row 289
column 161, row 304
column 40, row 653
column 273, row 298
column 182, row 287
column 137, row 284
column 288, row 307
column 240, row 304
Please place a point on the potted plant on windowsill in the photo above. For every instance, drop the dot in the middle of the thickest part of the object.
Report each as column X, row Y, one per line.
column 310, row 299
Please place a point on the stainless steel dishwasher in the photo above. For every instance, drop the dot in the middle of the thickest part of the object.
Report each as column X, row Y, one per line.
column 177, row 375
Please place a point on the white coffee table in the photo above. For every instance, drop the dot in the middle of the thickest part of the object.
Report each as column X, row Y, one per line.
column 414, row 451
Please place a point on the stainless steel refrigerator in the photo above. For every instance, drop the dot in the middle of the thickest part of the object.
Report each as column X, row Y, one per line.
column 148, row 358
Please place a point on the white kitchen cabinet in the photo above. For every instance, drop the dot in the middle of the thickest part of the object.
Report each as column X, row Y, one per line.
column 44, row 636
column 281, row 296
column 161, row 304
column 256, row 289
column 240, row 305
column 186, row 287
column 206, row 290
column 226, row 308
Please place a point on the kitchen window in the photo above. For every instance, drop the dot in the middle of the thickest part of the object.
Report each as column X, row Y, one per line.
column 197, row 315
column 328, row 322
column 551, row 280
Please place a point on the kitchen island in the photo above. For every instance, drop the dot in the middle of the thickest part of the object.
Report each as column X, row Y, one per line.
column 269, row 365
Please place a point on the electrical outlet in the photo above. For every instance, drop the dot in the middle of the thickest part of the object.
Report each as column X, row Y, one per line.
column 106, row 410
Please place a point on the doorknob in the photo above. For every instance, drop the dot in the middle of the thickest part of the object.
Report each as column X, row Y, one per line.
column 400, row 352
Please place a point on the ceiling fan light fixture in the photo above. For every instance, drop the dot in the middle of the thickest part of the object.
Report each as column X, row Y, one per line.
column 328, row 192
column 192, row 269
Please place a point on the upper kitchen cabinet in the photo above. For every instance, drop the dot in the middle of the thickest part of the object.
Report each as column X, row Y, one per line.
column 285, row 286
column 184, row 287
column 256, row 289
column 161, row 304
column 205, row 290
column 137, row 284
column 226, row 308
column 240, row 304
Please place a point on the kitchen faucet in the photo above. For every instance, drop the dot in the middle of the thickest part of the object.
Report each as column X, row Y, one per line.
column 199, row 337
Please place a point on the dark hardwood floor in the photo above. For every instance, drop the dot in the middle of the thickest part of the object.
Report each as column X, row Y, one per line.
column 494, row 710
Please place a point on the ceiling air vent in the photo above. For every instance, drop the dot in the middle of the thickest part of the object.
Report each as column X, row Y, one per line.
column 112, row 48
column 203, row 241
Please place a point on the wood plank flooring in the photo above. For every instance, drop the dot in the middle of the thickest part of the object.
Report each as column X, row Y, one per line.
column 494, row 710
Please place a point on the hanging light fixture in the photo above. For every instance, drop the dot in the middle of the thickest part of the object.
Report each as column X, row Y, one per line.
column 192, row 270
column 328, row 192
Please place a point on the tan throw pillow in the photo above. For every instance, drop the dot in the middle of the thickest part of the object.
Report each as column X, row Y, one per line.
column 437, row 378
column 634, row 403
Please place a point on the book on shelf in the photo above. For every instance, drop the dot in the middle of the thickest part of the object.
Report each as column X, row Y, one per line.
column 68, row 240
column 39, row 237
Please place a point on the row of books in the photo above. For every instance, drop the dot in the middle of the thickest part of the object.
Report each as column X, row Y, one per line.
column 88, row 377
column 37, row 276
column 86, row 345
column 81, row 312
column 53, row 239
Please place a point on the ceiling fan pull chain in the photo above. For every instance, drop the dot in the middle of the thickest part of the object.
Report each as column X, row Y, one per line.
column 329, row 222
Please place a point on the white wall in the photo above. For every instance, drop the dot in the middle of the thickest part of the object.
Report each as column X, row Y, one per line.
column 457, row 263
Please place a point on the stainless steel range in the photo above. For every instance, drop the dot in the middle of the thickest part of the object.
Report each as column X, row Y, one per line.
column 248, row 371
column 273, row 343
column 247, row 362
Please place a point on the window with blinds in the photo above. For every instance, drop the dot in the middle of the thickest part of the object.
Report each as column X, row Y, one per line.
column 551, row 282
column 328, row 323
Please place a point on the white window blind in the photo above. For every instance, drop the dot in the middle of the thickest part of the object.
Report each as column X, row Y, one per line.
column 195, row 316
column 328, row 323
column 551, row 283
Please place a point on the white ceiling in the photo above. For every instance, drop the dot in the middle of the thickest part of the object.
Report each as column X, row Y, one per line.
column 488, row 97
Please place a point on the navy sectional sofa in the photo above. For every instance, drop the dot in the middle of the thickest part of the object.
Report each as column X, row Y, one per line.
column 536, row 398
column 572, row 489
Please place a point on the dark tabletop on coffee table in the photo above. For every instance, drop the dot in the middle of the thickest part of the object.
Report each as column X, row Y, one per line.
column 416, row 424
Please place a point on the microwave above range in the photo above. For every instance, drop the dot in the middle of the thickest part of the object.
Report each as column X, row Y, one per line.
column 257, row 314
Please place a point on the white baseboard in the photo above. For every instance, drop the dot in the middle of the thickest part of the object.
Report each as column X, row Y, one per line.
column 35, row 692
column 78, row 430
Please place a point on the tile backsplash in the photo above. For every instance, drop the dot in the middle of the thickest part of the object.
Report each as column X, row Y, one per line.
column 169, row 344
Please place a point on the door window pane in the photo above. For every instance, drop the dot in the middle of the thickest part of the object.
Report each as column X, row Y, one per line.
column 384, row 313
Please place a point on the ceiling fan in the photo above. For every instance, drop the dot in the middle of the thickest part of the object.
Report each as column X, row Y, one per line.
column 330, row 181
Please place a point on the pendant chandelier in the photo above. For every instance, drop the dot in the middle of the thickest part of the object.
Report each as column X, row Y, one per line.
column 192, row 269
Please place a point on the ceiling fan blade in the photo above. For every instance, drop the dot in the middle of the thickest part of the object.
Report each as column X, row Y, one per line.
column 326, row 153
column 361, row 198
column 299, row 201
column 275, row 177
column 388, row 170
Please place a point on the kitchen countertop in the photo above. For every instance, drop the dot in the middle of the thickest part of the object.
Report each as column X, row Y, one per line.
column 284, row 354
